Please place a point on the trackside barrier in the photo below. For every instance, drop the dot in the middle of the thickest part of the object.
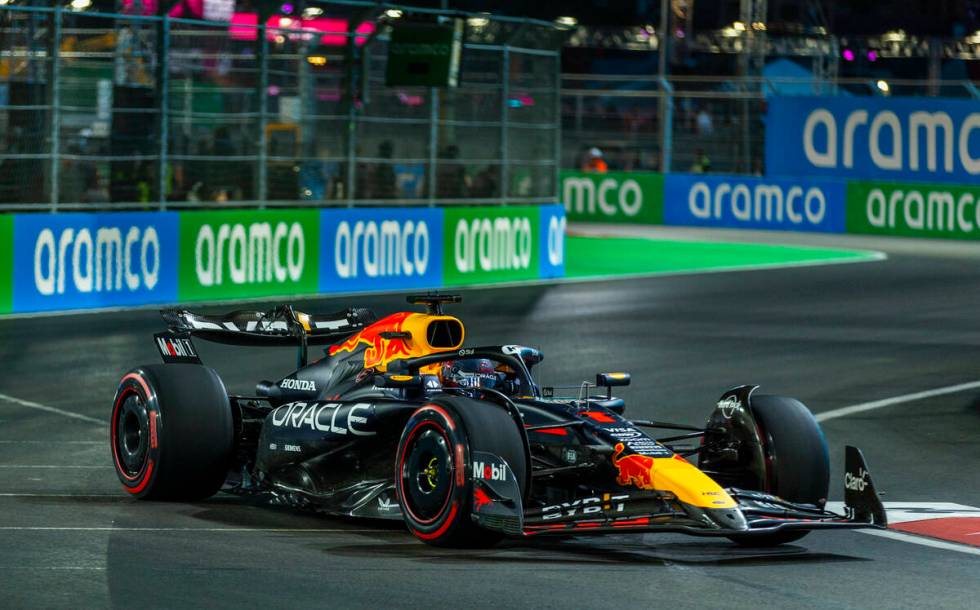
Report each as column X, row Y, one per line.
column 707, row 200
column 62, row 262
column 627, row 197
column 754, row 203
column 494, row 244
column 913, row 210
column 6, row 262
column 69, row 261
column 810, row 204
column 920, row 139
column 880, row 165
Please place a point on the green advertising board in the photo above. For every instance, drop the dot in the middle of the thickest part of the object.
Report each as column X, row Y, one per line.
column 6, row 261
column 248, row 253
column 913, row 210
column 627, row 197
column 491, row 244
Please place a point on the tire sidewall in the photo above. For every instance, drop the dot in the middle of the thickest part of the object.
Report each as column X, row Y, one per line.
column 795, row 450
column 188, row 458
column 456, row 509
column 137, row 383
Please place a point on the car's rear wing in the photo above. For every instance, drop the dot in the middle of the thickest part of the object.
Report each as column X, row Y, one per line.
column 282, row 326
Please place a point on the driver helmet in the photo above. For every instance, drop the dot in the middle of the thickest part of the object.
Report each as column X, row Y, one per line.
column 469, row 373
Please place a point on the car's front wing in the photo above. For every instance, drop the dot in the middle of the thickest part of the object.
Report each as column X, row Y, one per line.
column 758, row 514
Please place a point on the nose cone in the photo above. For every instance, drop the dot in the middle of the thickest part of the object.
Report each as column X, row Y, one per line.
column 728, row 518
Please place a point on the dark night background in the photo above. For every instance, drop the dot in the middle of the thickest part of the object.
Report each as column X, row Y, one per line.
column 842, row 17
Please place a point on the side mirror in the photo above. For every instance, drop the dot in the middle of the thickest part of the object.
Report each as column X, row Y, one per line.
column 531, row 356
column 612, row 380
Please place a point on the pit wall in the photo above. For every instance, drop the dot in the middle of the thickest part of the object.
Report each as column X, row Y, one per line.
column 59, row 262
column 812, row 204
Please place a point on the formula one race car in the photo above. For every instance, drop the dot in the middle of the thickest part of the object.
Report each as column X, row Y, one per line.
column 399, row 420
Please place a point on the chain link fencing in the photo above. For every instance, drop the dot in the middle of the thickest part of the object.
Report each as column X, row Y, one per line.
column 103, row 111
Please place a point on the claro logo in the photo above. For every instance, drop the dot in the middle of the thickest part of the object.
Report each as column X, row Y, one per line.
column 381, row 250
column 492, row 245
column 582, row 194
column 886, row 137
column 112, row 260
column 262, row 252
column 757, row 203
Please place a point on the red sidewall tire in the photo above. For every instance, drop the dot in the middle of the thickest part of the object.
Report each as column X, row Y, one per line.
column 139, row 483
column 171, row 432
column 454, row 512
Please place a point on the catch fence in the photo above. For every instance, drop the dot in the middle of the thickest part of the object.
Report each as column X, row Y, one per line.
column 103, row 111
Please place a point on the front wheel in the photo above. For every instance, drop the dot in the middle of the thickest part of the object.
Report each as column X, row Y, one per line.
column 797, row 463
column 432, row 481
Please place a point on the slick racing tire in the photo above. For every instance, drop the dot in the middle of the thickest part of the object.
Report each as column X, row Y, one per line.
column 171, row 432
column 432, row 468
column 797, row 460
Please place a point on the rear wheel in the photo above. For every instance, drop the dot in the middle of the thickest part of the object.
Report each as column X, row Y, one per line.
column 171, row 432
column 433, row 462
column 797, row 464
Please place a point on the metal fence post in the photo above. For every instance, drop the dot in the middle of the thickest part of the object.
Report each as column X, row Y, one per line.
column 556, row 189
column 666, row 125
column 350, row 98
column 433, row 143
column 663, row 48
column 504, row 140
column 262, row 188
column 54, row 50
column 163, row 107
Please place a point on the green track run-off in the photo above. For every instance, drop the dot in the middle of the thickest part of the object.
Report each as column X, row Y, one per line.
column 597, row 257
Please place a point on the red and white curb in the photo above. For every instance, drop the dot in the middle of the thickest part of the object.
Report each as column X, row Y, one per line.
column 943, row 525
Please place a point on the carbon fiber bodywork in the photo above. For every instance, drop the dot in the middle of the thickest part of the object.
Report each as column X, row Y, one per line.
column 326, row 437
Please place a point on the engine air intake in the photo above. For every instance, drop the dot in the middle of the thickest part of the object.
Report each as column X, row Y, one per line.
column 445, row 333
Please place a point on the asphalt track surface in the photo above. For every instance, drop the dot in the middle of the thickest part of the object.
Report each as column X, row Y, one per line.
column 832, row 336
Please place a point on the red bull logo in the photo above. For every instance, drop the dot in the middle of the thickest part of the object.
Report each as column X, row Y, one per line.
column 633, row 469
column 406, row 338
column 379, row 351
column 480, row 499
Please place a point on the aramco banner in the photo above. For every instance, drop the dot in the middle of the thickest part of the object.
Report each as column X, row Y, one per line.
column 913, row 210
column 747, row 202
column 923, row 139
column 625, row 197
column 75, row 261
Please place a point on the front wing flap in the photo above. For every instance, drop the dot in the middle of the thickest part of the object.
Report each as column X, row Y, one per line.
column 757, row 513
column 763, row 514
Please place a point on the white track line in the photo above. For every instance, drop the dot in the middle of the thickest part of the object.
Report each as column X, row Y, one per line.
column 922, row 541
column 896, row 400
column 39, row 407
column 18, row 494
column 48, row 442
column 56, row 466
column 259, row 530
column 55, row 568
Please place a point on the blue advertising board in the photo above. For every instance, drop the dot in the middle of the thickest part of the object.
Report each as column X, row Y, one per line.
column 926, row 139
column 754, row 203
column 380, row 249
column 69, row 261
column 552, row 261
